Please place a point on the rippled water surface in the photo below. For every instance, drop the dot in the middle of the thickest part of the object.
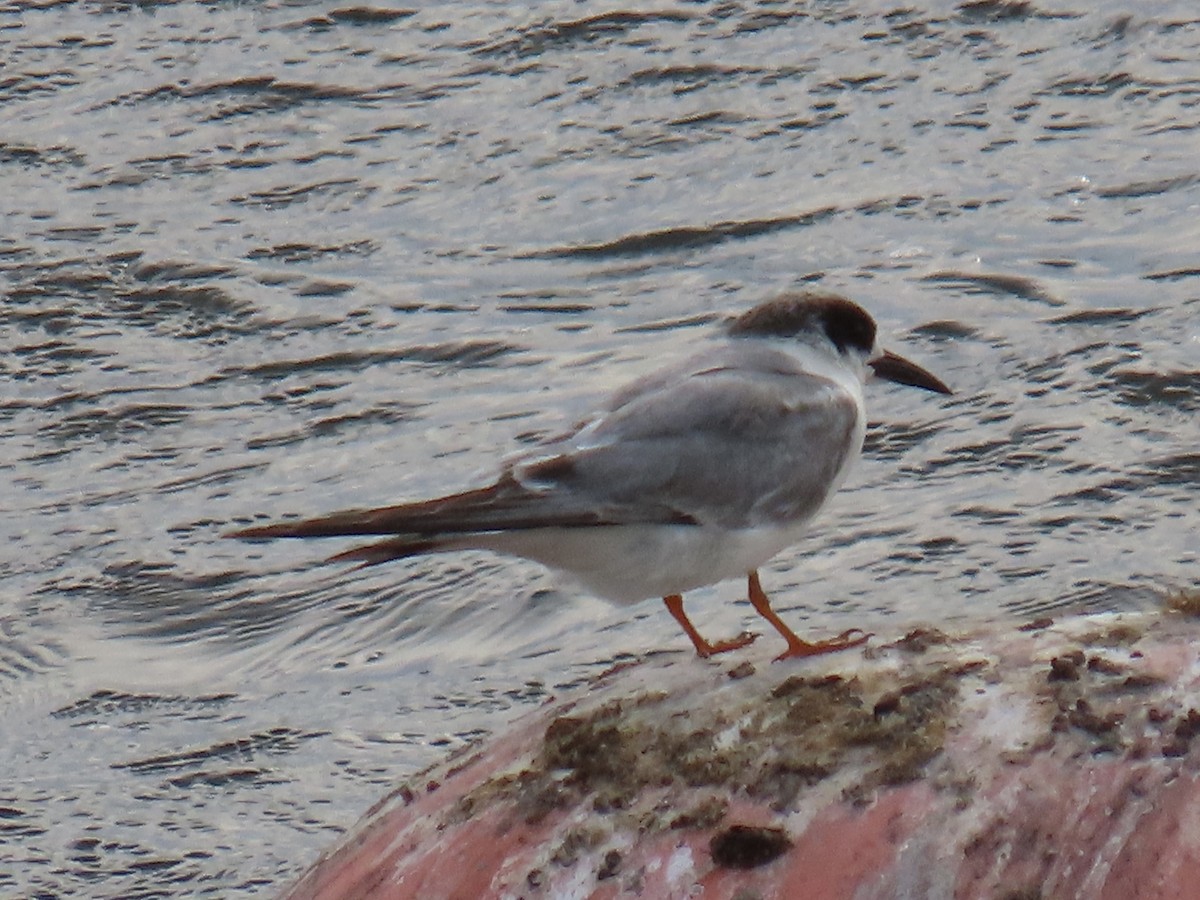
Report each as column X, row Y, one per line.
column 293, row 257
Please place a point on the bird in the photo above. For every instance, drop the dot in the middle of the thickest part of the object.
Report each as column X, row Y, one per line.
column 693, row 474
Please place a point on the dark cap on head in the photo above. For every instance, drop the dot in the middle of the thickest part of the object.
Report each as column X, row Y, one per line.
column 847, row 325
column 844, row 322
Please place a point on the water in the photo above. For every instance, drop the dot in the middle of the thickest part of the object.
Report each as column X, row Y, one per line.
column 288, row 258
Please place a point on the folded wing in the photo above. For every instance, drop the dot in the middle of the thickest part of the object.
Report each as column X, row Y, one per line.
column 716, row 445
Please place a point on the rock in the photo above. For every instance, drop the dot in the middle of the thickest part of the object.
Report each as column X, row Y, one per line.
column 1057, row 761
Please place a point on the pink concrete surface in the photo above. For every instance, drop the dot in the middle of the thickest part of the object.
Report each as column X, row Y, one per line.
column 1054, row 762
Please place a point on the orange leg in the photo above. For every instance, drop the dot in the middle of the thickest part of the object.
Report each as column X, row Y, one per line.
column 703, row 648
column 797, row 647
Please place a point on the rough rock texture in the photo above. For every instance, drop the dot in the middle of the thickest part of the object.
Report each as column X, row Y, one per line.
column 1052, row 760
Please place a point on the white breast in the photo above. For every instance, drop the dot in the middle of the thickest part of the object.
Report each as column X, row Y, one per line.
column 628, row 563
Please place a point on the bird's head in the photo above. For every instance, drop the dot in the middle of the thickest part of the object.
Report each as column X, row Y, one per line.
column 839, row 324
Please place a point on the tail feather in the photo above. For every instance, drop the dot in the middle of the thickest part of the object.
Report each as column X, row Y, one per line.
column 386, row 551
column 450, row 522
column 506, row 505
column 453, row 513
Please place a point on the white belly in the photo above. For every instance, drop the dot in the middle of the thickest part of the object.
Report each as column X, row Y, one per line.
column 627, row 563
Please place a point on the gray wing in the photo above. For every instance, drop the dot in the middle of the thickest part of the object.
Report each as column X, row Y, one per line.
column 735, row 442
column 729, row 439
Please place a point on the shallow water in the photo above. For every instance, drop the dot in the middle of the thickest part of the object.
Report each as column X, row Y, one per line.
column 288, row 258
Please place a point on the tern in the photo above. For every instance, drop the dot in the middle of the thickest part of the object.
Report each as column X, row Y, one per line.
column 693, row 474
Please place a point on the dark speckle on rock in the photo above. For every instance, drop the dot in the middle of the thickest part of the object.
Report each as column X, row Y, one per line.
column 748, row 846
column 921, row 639
column 744, row 669
column 1188, row 726
column 1103, row 666
column 1083, row 716
column 609, row 866
column 1185, row 602
column 1039, row 624
column 1066, row 667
